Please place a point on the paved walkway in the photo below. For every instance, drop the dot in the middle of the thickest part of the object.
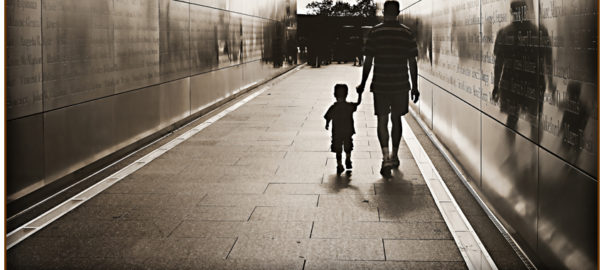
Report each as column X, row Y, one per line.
column 257, row 190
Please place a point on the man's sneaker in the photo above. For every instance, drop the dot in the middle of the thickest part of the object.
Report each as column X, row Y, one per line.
column 340, row 169
column 349, row 164
column 396, row 162
column 386, row 167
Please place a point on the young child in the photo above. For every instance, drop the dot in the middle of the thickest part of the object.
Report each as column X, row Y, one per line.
column 343, row 125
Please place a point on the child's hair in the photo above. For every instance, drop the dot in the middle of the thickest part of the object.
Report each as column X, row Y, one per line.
column 340, row 91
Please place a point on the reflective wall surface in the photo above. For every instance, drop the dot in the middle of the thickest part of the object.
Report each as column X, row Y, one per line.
column 86, row 78
column 509, row 86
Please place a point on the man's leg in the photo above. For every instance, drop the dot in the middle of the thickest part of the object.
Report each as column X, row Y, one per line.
column 383, row 136
column 381, row 105
column 397, row 133
column 512, row 123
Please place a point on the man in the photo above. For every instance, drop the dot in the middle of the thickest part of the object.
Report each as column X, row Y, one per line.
column 392, row 46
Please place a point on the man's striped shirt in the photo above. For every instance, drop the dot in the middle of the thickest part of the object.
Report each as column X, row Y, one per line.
column 391, row 44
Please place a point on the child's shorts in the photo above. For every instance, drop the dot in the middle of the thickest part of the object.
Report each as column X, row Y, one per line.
column 338, row 141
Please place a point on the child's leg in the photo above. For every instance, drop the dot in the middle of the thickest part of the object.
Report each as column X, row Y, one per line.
column 340, row 167
column 336, row 147
column 348, row 150
column 348, row 161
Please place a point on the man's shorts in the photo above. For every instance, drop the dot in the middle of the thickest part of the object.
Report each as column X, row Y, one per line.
column 338, row 141
column 395, row 103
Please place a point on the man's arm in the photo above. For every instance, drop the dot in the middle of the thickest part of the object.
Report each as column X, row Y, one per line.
column 413, row 71
column 366, row 70
column 547, row 65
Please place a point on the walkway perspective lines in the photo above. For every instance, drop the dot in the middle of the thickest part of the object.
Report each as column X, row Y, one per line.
column 53, row 214
column 254, row 186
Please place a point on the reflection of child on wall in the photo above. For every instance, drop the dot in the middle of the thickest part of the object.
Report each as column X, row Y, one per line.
column 574, row 120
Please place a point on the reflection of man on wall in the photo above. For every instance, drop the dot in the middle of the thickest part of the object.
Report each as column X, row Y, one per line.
column 523, row 63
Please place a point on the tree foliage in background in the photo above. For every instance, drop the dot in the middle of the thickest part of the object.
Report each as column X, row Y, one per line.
column 364, row 8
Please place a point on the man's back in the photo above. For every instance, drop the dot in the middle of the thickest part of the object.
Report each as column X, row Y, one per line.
column 391, row 44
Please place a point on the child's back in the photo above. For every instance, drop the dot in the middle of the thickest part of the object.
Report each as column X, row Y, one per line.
column 343, row 125
column 340, row 114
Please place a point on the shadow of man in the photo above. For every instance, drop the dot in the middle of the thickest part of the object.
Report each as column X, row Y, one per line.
column 399, row 198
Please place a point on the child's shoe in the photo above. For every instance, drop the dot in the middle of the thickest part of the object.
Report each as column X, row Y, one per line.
column 348, row 164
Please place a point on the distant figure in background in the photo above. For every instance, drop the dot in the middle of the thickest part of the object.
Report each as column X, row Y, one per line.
column 523, row 63
column 292, row 50
column 339, row 53
column 342, row 129
column 393, row 47
column 357, row 50
column 313, row 51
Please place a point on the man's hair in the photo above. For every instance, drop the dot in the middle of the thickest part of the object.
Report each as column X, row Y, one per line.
column 340, row 90
column 391, row 8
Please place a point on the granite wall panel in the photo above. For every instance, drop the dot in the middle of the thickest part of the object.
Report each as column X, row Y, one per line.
column 24, row 155
column 23, row 58
column 568, row 122
column 527, row 68
column 174, row 59
column 566, row 240
column 86, row 78
column 136, row 44
column 77, row 51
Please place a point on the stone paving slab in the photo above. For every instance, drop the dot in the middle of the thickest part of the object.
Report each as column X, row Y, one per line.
column 381, row 265
column 259, row 200
column 328, row 188
column 333, row 249
column 257, row 189
column 313, row 214
column 382, row 230
column 222, row 264
column 252, row 229
column 421, row 250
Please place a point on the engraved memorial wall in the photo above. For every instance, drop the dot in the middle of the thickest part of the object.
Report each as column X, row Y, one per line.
column 23, row 93
column 23, row 58
column 510, row 87
column 136, row 43
column 77, row 51
column 132, row 67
